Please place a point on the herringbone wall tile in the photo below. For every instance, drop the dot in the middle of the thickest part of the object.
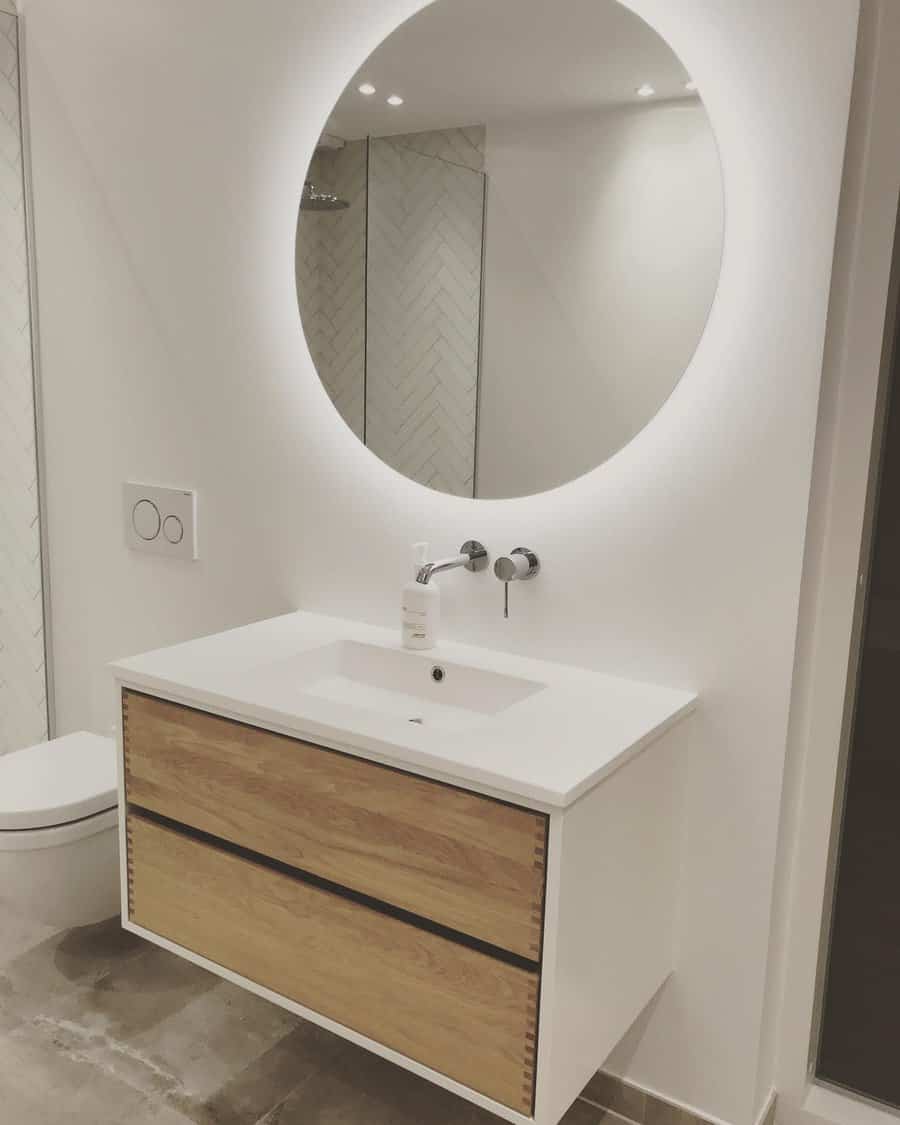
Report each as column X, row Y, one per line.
column 457, row 146
column 23, row 700
column 331, row 280
column 426, row 224
column 397, row 349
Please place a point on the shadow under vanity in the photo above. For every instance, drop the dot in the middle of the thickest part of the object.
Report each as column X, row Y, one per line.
column 490, row 906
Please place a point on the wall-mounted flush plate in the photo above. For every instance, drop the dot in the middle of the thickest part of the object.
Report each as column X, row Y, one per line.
column 160, row 521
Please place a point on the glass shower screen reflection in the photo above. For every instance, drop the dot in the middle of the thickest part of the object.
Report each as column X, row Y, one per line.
column 423, row 307
column 390, row 289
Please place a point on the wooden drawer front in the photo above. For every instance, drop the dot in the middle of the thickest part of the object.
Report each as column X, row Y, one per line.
column 455, row 1009
column 465, row 861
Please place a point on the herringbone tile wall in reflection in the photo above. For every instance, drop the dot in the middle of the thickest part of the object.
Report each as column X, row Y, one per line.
column 23, row 701
column 426, row 223
column 457, row 146
column 331, row 280
column 390, row 294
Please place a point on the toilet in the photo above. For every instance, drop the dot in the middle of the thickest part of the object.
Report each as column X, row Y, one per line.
column 59, row 850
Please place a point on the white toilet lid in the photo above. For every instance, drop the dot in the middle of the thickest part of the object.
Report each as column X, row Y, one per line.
column 57, row 782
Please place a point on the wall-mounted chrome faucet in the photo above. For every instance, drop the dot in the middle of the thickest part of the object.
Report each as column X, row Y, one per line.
column 520, row 565
column 472, row 555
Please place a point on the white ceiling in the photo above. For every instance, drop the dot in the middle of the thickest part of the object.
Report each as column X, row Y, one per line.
column 466, row 62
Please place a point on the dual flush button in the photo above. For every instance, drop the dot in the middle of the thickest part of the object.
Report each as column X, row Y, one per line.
column 160, row 521
column 149, row 524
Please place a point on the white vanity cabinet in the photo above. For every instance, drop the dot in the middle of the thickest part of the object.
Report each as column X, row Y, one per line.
column 494, row 943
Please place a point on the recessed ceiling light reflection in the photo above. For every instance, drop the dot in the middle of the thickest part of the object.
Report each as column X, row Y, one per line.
column 367, row 88
column 395, row 99
column 645, row 91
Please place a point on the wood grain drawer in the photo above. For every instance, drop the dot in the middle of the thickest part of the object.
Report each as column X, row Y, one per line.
column 453, row 1008
column 470, row 863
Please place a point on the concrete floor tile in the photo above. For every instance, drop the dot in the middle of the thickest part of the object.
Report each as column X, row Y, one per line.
column 221, row 1034
column 44, row 1084
column 252, row 1092
column 583, row 1113
column 358, row 1088
column 103, row 978
column 612, row 1094
column 19, row 933
column 661, row 1113
column 170, row 1031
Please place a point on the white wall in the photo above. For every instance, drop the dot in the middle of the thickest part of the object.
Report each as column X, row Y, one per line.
column 170, row 145
column 603, row 248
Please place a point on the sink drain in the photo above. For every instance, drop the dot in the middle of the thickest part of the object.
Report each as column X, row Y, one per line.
column 419, row 722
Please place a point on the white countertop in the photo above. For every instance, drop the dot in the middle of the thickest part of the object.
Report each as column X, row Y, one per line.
column 548, row 749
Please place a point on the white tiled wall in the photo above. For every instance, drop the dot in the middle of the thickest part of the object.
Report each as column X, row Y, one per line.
column 426, row 225
column 23, row 698
column 463, row 146
column 397, row 346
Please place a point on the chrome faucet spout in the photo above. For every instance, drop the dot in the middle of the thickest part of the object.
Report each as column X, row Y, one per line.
column 472, row 556
column 429, row 570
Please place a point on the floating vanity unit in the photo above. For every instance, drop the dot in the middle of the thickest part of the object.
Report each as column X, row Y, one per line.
column 462, row 860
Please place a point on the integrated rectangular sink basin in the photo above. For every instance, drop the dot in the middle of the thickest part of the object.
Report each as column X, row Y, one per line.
column 407, row 686
column 525, row 729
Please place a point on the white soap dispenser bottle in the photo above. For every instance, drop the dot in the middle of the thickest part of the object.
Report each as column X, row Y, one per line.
column 421, row 606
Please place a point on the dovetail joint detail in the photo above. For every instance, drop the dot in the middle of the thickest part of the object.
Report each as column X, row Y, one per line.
column 129, row 869
column 529, row 1052
column 126, row 756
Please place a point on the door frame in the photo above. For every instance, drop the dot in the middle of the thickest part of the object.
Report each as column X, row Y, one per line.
column 845, row 474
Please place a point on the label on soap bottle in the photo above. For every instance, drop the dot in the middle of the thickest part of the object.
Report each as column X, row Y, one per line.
column 420, row 615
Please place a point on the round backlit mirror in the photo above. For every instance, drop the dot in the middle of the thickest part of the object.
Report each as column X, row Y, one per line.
column 509, row 241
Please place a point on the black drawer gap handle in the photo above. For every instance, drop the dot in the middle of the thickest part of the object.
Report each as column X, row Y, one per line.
column 358, row 897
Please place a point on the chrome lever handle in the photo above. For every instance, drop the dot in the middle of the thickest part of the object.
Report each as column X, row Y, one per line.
column 520, row 565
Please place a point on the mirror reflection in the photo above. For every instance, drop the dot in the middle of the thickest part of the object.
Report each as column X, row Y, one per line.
column 509, row 241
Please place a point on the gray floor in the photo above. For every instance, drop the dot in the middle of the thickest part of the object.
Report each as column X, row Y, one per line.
column 101, row 1028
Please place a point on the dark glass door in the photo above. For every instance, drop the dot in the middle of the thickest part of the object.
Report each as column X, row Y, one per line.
column 860, row 1034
